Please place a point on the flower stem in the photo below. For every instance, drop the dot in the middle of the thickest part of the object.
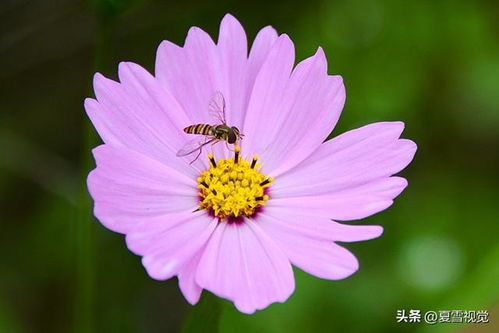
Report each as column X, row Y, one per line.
column 205, row 316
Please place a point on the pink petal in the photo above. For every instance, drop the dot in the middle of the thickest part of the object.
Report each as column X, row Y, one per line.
column 350, row 160
column 187, row 279
column 147, row 232
column 169, row 251
column 192, row 73
column 319, row 227
column 233, row 48
column 243, row 264
column 266, row 98
column 140, row 115
column 318, row 257
column 348, row 204
column 260, row 49
column 128, row 186
column 149, row 90
column 160, row 103
column 310, row 108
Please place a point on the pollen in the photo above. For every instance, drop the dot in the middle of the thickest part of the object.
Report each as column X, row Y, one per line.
column 233, row 187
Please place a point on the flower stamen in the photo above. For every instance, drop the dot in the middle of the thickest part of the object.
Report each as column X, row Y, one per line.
column 233, row 187
column 253, row 163
column 236, row 154
column 266, row 181
column 212, row 160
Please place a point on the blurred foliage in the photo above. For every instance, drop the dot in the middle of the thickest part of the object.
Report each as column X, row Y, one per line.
column 110, row 8
column 432, row 64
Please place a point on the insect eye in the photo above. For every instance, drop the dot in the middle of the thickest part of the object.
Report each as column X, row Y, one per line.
column 231, row 137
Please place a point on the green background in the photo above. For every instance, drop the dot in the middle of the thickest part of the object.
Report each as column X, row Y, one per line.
column 432, row 64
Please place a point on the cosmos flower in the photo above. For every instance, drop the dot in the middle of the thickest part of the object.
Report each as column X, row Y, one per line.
column 235, row 220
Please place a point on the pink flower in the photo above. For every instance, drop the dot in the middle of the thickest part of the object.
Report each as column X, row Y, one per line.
column 236, row 224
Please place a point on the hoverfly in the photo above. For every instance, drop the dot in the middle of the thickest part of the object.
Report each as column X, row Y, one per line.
column 211, row 133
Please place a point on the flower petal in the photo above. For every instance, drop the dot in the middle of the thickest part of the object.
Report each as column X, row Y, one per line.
column 143, row 237
column 260, row 50
column 187, row 279
column 194, row 73
column 140, row 115
column 160, row 104
column 349, row 204
column 127, row 186
column 319, row 257
column 243, row 264
column 309, row 110
column 170, row 250
column 318, row 227
column 191, row 73
column 267, row 94
column 233, row 48
column 350, row 160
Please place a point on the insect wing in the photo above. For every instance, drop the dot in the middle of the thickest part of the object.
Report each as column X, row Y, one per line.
column 216, row 107
column 191, row 146
column 194, row 145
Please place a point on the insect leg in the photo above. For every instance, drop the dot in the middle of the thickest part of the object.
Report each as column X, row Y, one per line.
column 228, row 147
column 215, row 140
column 201, row 148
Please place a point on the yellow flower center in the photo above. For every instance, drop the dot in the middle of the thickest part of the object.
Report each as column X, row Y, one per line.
column 233, row 187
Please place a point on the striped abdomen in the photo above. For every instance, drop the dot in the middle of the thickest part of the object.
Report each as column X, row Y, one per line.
column 202, row 129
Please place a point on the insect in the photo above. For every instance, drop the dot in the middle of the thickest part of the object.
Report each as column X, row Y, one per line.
column 211, row 133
